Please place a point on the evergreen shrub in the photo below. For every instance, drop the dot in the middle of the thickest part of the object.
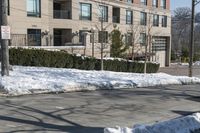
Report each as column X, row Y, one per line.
column 61, row 59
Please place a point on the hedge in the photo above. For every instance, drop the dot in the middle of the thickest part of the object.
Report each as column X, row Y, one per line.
column 61, row 59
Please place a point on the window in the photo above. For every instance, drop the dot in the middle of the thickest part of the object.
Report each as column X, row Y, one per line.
column 8, row 7
column 164, row 21
column 103, row 13
column 143, row 18
column 34, row 37
column 155, row 20
column 33, row 8
column 155, row 3
column 129, row 17
column 143, row 2
column 103, row 37
column 81, row 35
column 142, row 38
column 128, row 39
column 116, row 15
column 160, row 44
column 129, row 1
column 163, row 4
column 85, row 11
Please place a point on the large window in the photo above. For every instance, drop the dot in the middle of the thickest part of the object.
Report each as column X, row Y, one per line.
column 85, row 11
column 160, row 44
column 129, row 17
column 129, row 1
column 34, row 8
column 103, row 13
column 128, row 39
column 143, row 18
column 116, row 15
column 143, row 2
column 34, row 37
column 103, row 37
column 164, row 21
column 142, row 38
column 155, row 3
column 155, row 20
column 8, row 7
column 163, row 4
column 82, row 36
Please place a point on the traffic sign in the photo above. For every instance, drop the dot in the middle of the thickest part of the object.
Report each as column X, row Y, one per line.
column 5, row 32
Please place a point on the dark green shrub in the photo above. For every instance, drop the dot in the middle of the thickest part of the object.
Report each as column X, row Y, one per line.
column 61, row 59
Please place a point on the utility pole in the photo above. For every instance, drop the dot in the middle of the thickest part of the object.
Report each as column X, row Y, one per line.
column 191, row 47
column 4, row 42
column 148, row 36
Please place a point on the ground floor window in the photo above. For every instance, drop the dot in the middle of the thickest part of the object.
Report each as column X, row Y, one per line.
column 103, row 37
column 34, row 37
column 62, row 37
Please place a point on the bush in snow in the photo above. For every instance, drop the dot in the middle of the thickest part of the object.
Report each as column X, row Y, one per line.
column 61, row 59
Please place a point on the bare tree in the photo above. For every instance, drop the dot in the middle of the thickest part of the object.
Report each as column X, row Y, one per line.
column 180, row 28
column 101, row 27
column 135, row 30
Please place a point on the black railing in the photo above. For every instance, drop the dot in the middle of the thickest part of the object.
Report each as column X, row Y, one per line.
column 116, row 19
column 62, row 14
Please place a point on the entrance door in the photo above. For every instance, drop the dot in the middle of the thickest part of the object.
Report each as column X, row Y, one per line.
column 34, row 37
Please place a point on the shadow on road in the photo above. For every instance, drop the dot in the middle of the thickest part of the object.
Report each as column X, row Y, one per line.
column 40, row 125
column 184, row 113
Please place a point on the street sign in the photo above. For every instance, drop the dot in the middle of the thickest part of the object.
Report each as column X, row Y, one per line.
column 5, row 32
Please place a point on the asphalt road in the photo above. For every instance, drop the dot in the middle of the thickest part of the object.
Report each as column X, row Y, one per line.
column 90, row 112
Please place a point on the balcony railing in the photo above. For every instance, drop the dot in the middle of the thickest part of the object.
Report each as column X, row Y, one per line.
column 62, row 14
column 116, row 19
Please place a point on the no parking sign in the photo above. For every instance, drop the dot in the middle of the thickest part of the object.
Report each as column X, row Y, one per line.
column 5, row 32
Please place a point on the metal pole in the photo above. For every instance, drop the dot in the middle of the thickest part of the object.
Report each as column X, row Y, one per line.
column 92, row 43
column 145, row 62
column 102, row 39
column 4, row 43
column 191, row 47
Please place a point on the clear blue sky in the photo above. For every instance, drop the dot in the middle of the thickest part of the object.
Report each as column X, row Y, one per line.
column 183, row 3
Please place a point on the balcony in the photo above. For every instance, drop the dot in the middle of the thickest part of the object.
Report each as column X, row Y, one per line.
column 116, row 15
column 62, row 9
column 116, row 19
column 62, row 14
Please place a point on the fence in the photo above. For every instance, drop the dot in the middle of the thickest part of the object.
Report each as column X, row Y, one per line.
column 18, row 40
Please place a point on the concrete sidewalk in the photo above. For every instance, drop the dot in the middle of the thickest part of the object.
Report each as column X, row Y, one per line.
column 179, row 70
column 90, row 112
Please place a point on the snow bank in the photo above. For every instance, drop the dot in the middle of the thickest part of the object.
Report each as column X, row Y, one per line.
column 28, row 80
column 179, row 125
column 197, row 63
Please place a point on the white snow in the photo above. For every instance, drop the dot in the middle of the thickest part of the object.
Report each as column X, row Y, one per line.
column 179, row 125
column 28, row 80
column 197, row 63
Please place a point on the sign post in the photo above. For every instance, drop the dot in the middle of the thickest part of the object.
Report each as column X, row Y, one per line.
column 5, row 36
column 5, row 32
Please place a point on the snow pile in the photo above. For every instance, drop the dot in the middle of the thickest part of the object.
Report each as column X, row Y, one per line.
column 197, row 63
column 179, row 125
column 28, row 80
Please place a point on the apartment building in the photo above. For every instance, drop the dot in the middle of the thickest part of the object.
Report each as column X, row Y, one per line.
column 75, row 25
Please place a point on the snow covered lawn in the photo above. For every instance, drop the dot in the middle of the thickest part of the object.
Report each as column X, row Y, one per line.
column 28, row 80
column 180, row 125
